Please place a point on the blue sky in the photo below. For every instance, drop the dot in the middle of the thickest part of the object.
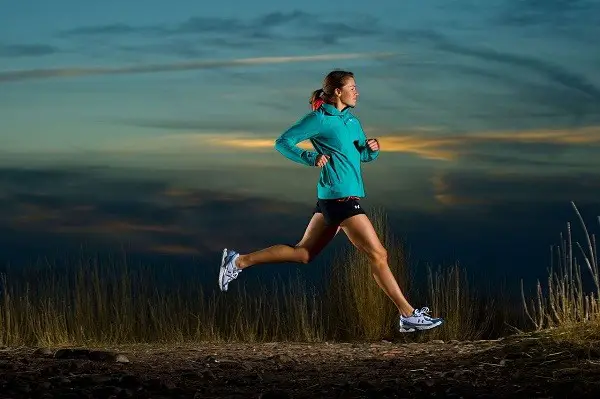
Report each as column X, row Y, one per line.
column 486, row 111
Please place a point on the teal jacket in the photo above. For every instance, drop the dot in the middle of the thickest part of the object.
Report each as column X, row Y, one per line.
column 337, row 134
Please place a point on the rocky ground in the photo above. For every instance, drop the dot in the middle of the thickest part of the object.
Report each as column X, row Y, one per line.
column 520, row 366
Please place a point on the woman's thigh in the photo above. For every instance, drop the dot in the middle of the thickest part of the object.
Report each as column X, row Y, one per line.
column 362, row 235
column 317, row 235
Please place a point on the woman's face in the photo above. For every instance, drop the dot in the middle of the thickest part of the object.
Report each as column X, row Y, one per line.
column 348, row 93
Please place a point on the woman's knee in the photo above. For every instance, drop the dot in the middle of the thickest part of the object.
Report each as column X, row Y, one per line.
column 378, row 255
column 303, row 255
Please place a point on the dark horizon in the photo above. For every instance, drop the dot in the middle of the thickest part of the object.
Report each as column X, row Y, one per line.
column 76, row 213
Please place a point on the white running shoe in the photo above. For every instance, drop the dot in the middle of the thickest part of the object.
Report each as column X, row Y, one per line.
column 419, row 320
column 229, row 271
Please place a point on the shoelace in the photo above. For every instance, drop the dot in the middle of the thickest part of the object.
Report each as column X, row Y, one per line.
column 424, row 311
column 232, row 272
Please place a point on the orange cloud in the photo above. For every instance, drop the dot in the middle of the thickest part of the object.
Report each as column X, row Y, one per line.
column 450, row 147
column 441, row 147
column 426, row 147
column 247, row 143
column 27, row 74
column 424, row 143
column 437, row 148
column 584, row 135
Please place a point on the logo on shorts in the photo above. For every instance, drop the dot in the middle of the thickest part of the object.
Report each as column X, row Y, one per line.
column 356, row 206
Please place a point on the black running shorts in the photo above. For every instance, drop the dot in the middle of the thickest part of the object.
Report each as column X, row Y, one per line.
column 337, row 210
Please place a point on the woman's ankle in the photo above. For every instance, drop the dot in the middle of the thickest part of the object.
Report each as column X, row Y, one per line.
column 240, row 262
column 407, row 312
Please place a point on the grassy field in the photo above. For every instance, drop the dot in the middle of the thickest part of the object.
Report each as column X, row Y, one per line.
column 111, row 302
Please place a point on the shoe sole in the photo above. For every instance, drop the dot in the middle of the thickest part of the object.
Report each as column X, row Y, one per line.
column 407, row 330
column 222, row 270
column 424, row 328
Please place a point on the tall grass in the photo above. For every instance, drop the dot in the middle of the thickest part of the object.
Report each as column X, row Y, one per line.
column 114, row 303
column 356, row 304
column 102, row 302
column 364, row 312
column 468, row 313
column 566, row 300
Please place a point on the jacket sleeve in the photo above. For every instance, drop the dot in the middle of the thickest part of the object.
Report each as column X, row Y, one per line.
column 366, row 155
column 304, row 129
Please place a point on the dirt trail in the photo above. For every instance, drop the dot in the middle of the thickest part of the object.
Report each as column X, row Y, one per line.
column 526, row 367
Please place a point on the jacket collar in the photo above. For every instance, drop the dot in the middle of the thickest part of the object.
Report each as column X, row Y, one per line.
column 332, row 110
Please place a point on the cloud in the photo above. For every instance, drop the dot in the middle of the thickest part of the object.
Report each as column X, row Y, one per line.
column 446, row 195
column 434, row 148
column 191, row 25
column 213, row 125
column 585, row 135
column 174, row 250
column 69, row 207
column 554, row 14
column 425, row 143
column 221, row 142
column 448, row 147
column 27, row 50
column 553, row 72
column 244, row 143
column 493, row 188
column 180, row 48
column 292, row 28
column 262, row 26
column 278, row 18
column 219, row 36
column 481, row 219
column 19, row 75
column 535, row 86
column 530, row 98
column 110, row 29
column 107, row 227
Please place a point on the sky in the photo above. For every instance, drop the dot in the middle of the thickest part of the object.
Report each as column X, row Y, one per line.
column 152, row 127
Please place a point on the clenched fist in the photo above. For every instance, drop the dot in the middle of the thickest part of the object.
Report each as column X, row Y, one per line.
column 373, row 144
column 321, row 160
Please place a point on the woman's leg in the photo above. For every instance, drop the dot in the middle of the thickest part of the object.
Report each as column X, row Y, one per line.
column 316, row 237
column 363, row 236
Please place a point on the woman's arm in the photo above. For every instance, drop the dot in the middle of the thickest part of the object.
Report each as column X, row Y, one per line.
column 304, row 129
column 366, row 153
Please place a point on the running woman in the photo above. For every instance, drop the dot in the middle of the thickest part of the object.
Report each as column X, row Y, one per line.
column 341, row 145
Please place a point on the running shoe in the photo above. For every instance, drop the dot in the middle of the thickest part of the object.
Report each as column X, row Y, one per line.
column 229, row 271
column 419, row 320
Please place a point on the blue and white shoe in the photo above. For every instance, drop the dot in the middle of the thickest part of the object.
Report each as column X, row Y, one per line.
column 419, row 320
column 229, row 271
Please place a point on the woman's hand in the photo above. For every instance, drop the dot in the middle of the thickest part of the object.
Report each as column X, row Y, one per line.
column 373, row 144
column 321, row 160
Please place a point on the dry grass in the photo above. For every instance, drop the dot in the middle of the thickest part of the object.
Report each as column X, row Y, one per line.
column 468, row 314
column 111, row 302
column 121, row 305
column 566, row 301
column 358, row 307
column 364, row 311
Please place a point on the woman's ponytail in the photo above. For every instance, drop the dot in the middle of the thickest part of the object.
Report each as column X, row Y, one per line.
column 316, row 99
